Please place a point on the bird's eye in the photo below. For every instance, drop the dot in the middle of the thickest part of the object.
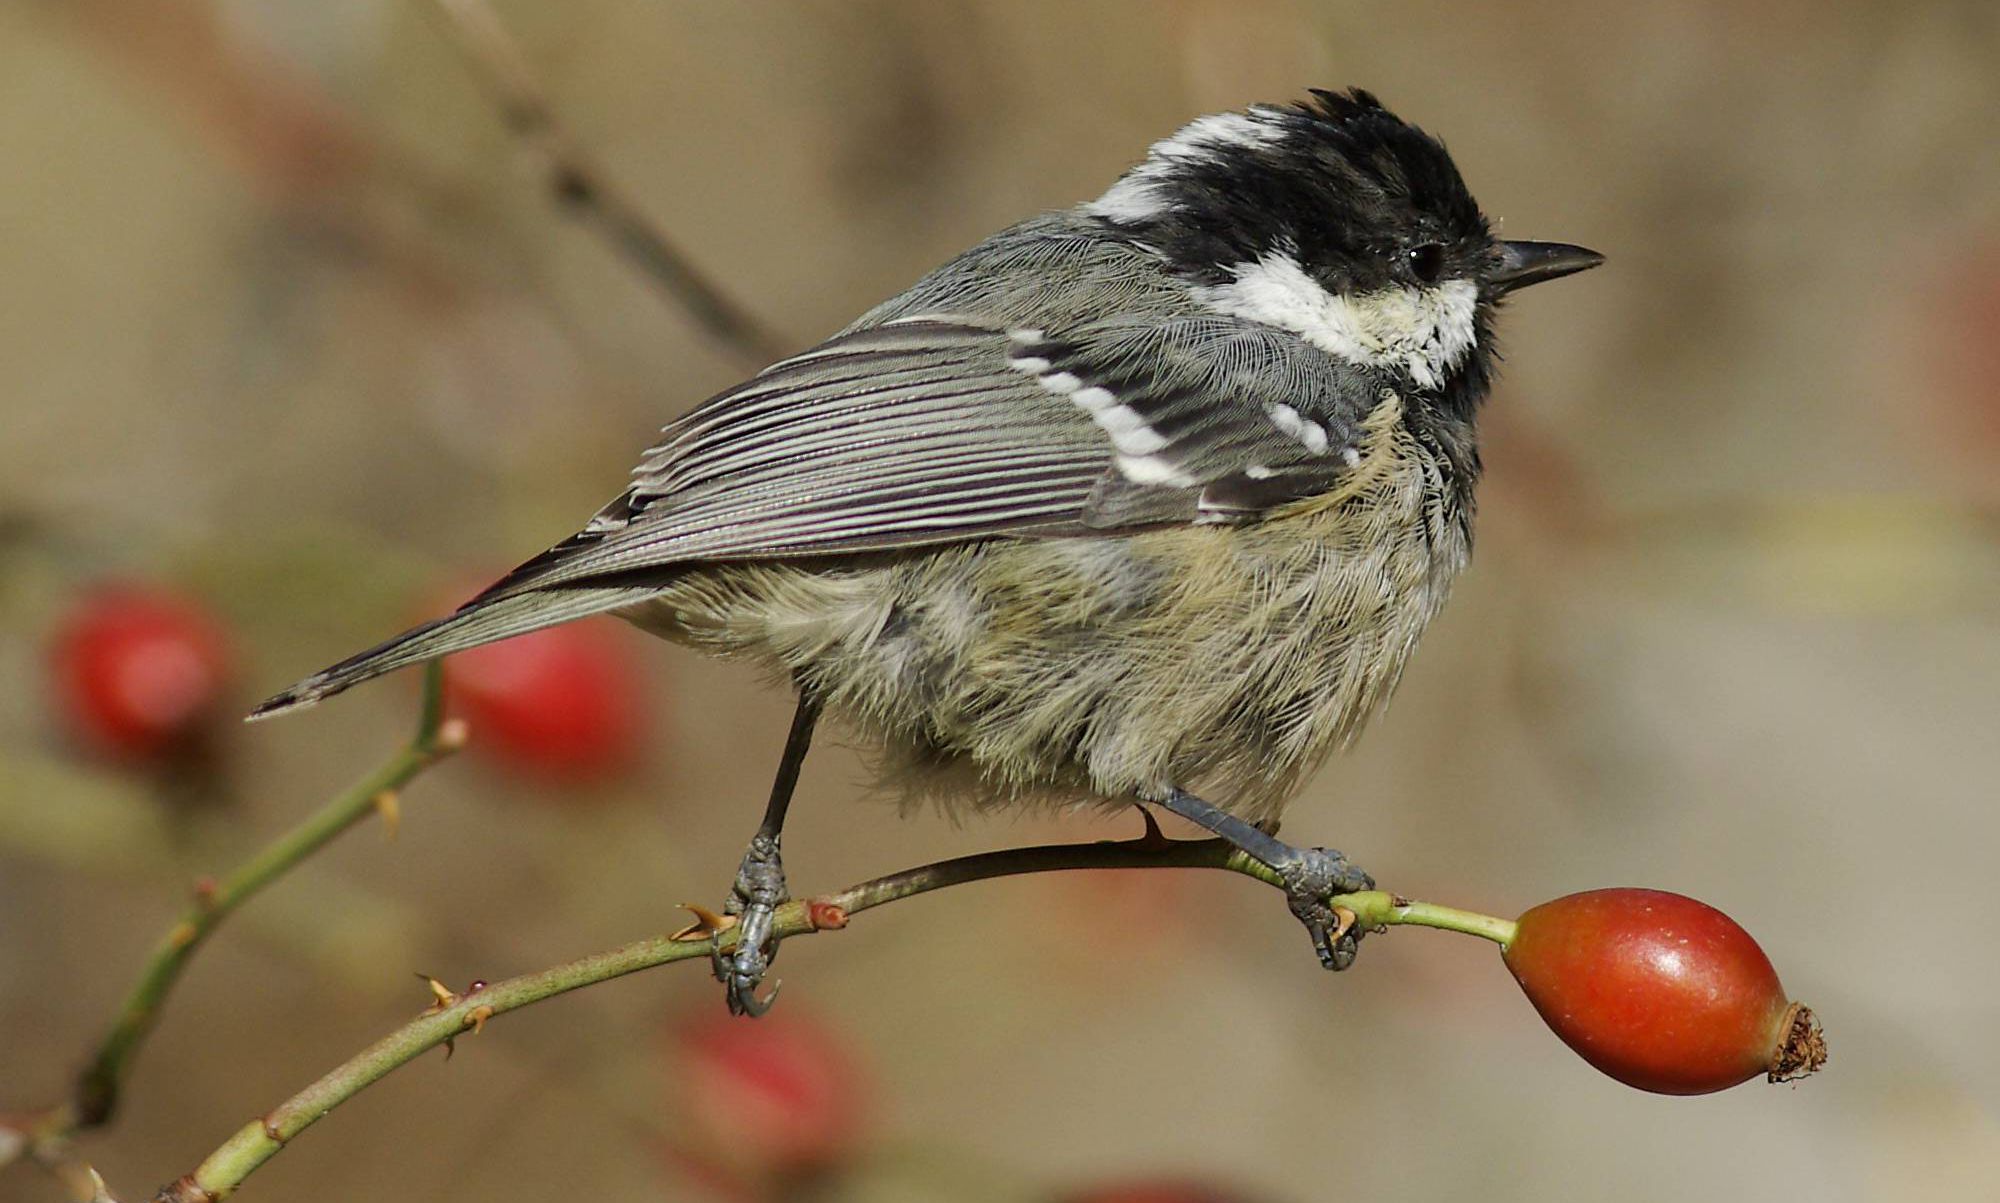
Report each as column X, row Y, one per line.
column 1426, row 262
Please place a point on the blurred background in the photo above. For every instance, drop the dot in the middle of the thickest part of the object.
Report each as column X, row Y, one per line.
column 297, row 337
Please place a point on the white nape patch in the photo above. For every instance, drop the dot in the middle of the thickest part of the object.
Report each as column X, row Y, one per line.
column 1136, row 196
column 1425, row 332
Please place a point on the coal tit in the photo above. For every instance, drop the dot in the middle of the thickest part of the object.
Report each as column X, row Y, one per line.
column 1148, row 499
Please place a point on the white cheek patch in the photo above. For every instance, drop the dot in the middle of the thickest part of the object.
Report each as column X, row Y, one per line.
column 1137, row 443
column 1425, row 332
column 1137, row 197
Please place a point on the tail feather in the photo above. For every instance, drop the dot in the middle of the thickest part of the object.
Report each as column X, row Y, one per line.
column 476, row 624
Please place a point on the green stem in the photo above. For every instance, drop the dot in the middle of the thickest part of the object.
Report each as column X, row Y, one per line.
column 1377, row 909
column 258, row 1141
column 97, row 1088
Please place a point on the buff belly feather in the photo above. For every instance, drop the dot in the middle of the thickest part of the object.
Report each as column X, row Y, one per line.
column 1229, row 662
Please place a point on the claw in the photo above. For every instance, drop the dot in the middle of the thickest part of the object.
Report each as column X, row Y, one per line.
column 753, row 903
column 742, row 988
column 754, row 952
column 1316, row 876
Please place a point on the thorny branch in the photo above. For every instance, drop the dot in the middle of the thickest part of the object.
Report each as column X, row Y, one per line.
column 582, row 187
column 262, row 1138
column 44, row 1136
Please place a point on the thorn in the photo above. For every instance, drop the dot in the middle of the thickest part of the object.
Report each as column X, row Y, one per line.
column 441, row 999
column 441, row 994
column 1153, row 837
column 706, row 923
column 389, row 805
column 94, row 1182
column 83, row 1183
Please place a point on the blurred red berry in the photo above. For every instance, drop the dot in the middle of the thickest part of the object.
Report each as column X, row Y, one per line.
column 138, row 672
column 1962, row 320
column 562, row 704
column 779, row 1096
column 1146, row 916
column 1660, row 991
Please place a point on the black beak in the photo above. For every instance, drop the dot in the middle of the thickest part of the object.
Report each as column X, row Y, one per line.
column 1525, row 263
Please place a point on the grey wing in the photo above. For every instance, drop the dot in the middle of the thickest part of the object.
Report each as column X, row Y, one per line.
column 936, row 429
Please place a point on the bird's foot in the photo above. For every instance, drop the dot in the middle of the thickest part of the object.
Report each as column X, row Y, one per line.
column 759, row 892
column 1312, row 876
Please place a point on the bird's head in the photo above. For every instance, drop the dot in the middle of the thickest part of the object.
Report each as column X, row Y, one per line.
column 1337, row 220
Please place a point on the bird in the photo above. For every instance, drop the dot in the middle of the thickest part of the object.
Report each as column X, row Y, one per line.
column 1146, row 500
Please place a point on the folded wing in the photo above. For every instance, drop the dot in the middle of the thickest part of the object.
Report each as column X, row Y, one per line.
column 930, row 430
column 940, row 429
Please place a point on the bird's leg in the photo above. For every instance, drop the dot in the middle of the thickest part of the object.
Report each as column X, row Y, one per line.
column 760, row 880
column 1311, row 875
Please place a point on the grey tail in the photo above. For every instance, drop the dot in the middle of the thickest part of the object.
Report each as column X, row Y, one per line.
column 476, row 623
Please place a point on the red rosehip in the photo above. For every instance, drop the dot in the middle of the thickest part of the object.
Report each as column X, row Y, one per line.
column 562, row 704
column 1962, row 356
column 138, row 673
column 1660, row 992
column 779, row 1096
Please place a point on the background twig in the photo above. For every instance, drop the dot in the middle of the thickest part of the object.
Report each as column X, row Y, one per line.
column 581, row 186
